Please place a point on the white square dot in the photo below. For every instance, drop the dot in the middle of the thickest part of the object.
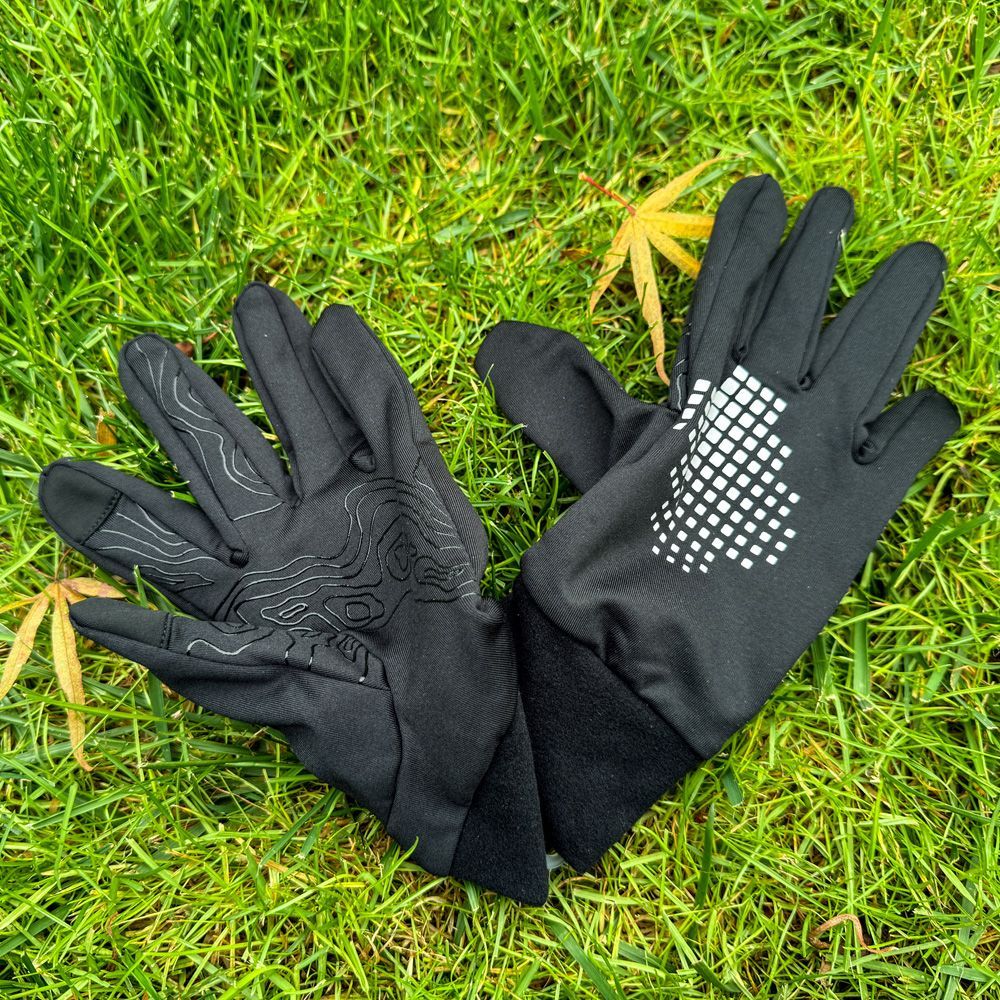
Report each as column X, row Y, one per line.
column 774, row 524
column 663, row 538
column 740, row 540
column 717, row 458
column 776, row 464
column 688, row 557
column 765, row 536
column 781, row 487
column 710, row 556
column 696, row 461
column 793, row 498
column 733, row 409
column 760, row 513
column 770, row 417
column 696, row 486
column 772, row 560
column 746, row 503
column 727, row 530
column 746, row 420
column 766, row 393
column 720, row 482
column 723, row 423
column 736, row 517
column 744, row 396
column 704, row 448
column 703, row 568
column 740, row 456
column 750, row 526
column 656, row 551
column 785, row 451
column 769, row 500
column 756, row 490
column 780, row 404
column 700, row 509
column 690, row 522
column 742, row 480
column 752, row 382
column 685, row 567
column 686, row 499
column 728, row 470
column 681, row 535
column 783, row 511
column 724, row 506
column 716, row 543
column 767, row 477
column 730, row 386
column 696, row 546
column 746, row 563
column 753, row 467
column 713, row 434
column 780, row 546
column 764, row 454
column 710, row 496
column 713, row 519
column 694, row 399
column 732, row 553
column 674, row 548
column 671, row 559
column 733, row 493
column 726, row 446
column 774, row 440
column 789, row 533
column 756, row 550
column 750, row 442
column 757, row 407
column 702, row 385
column 704, row 532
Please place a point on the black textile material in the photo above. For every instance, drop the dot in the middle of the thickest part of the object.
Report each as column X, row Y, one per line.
column 341, row 597
column 718, row 533
column 604, row 755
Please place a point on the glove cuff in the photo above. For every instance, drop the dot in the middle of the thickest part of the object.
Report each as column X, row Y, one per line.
column 603, row 756
column 502, row 846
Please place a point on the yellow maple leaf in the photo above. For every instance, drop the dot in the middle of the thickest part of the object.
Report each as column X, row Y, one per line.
column 60, row 595
column 650, row 223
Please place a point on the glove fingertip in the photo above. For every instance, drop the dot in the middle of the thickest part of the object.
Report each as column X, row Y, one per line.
column 117, row 622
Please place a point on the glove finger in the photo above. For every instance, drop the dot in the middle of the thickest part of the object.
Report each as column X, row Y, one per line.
column 863, row 352
column 325, row 692
column 745, row 237
column 792, row 297
column 274, row 338
column 373, row 389
column 903, row 439
column 234, row 473
column 122, row 523
column 570, row 405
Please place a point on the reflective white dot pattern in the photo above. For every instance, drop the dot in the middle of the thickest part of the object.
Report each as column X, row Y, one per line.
column 726, row 500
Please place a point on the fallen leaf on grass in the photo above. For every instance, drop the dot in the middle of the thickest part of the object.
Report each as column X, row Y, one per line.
column 60, row 595
column 651, row 224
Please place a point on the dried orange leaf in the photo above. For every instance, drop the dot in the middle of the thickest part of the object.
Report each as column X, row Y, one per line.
column 105, row 433
column 612, row 263
column 86, row 586
column 69, row 673
column 24, row 642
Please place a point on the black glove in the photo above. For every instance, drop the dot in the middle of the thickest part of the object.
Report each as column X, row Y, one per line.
column 344, row 596
column 717, row 533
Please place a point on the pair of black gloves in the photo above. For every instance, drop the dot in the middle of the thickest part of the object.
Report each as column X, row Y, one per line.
column 338, row 600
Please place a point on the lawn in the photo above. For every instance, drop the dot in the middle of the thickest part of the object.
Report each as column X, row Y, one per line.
column 422, row 164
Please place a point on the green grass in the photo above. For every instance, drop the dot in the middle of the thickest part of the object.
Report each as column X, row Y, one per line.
column 422, row 164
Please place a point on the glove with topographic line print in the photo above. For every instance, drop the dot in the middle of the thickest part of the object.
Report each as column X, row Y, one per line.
column 716, row 534
column 342, row 595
